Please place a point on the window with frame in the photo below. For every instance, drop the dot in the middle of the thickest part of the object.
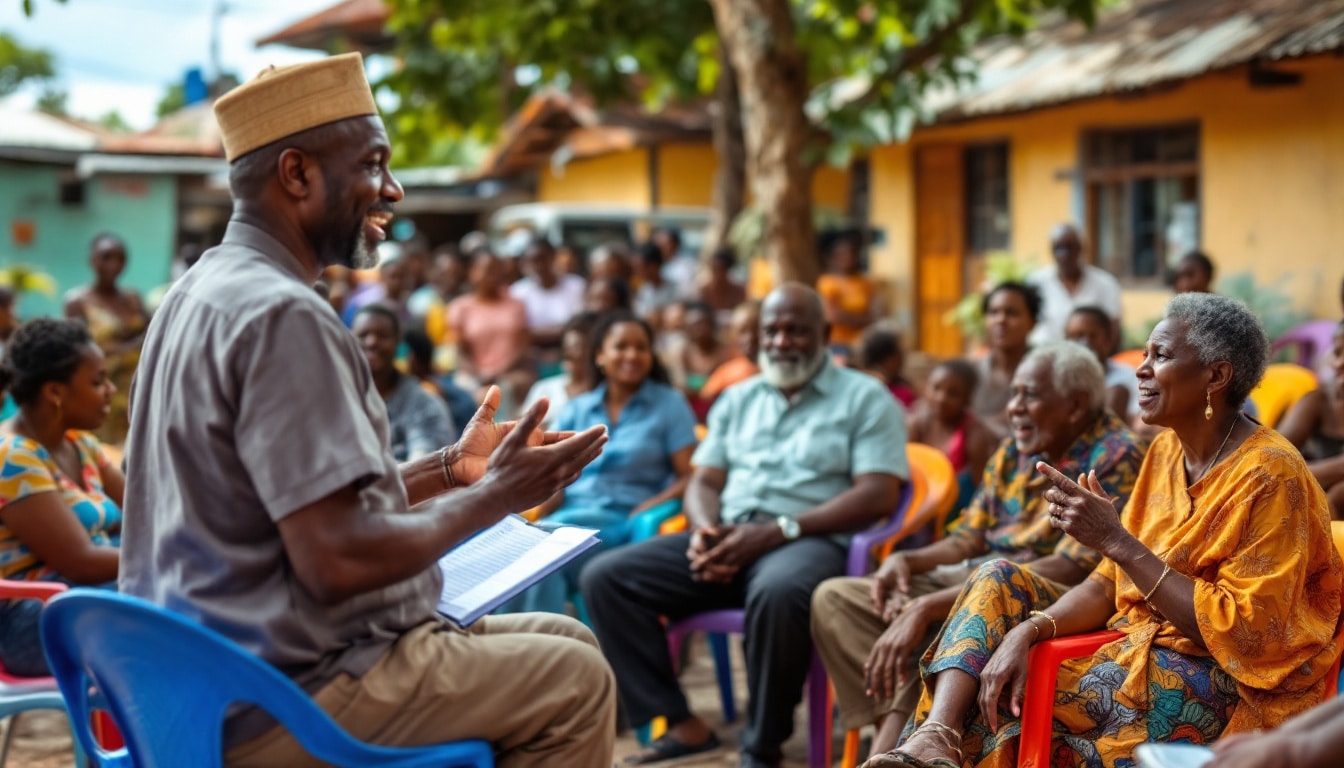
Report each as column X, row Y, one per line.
column 1142, row 189
column 988, row 224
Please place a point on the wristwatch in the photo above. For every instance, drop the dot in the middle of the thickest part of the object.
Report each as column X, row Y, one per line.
column 790, row 527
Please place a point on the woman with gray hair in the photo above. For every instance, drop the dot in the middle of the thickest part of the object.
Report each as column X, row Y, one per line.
column 870, row 632
column 1220, row 575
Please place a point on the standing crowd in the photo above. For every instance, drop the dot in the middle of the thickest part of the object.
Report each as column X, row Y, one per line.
column 296, row 461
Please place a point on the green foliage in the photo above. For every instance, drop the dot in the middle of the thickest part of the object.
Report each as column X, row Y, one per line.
column 173, row 99
column 1000, row 267
column 1271, row 303
column 20, row 64
column 28, row 6
column 114, row 122
column 466, row 65
column 54, row 101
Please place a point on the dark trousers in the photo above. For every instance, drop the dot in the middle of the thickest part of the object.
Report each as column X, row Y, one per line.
column 628, row 590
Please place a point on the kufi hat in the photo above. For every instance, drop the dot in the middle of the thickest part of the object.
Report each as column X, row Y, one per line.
column 283, row 101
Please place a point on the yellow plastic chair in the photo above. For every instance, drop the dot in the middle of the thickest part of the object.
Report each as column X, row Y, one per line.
column 1283, row 385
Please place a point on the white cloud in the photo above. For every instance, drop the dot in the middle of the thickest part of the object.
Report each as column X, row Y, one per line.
column 123, row 54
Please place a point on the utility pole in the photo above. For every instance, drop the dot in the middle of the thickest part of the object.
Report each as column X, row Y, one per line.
column 216, row 17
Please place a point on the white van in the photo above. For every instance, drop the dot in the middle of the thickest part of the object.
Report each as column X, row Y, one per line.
column 584, row 226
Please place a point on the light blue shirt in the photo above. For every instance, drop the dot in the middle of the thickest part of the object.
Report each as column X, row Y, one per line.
column 786, row 457
column 636, row 462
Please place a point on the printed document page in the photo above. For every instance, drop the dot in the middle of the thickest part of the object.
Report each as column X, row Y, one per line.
column 498, row 563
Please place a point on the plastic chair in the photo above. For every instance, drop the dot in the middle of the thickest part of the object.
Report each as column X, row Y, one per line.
column 936, row 493
column 1038, row 705
column 1311, row 339
column 720, row 623
column 168, row 683
column 1283, row 385
column 1131, row 357
column 24, row 694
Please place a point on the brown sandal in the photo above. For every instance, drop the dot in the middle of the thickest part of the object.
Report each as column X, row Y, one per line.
column 898, row 759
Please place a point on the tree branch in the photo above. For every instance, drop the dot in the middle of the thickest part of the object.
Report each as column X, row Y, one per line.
column 916, row 56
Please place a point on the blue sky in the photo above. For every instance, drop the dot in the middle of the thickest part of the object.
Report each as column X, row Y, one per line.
column 123, row 54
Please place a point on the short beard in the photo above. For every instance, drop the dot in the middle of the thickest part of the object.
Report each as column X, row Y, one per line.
column 790, row 375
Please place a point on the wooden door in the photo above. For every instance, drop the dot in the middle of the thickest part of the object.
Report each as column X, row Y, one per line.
column 940, row 245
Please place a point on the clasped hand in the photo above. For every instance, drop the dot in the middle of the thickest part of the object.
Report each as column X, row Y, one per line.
column 718, row 552
column 1082, row 509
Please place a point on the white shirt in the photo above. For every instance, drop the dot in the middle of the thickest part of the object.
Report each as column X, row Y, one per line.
column 550, row 308
column 1096, row 288
column 553, row 388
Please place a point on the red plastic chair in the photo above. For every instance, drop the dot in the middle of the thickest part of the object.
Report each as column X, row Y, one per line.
column 1038, row 706
column 23, row 694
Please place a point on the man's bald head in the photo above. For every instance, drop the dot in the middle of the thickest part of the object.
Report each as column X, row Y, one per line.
column 797, row 297
column 794, row 333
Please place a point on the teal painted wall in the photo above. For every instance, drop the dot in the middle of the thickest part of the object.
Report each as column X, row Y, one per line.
column 142, row 210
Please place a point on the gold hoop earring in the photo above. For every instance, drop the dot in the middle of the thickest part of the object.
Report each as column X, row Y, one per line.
column 1208, row 407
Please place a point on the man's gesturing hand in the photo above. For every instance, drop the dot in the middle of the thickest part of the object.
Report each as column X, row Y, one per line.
column 533, row 472
column 482, row 435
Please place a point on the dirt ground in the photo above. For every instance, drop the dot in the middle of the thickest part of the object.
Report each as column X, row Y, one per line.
column 43, row 739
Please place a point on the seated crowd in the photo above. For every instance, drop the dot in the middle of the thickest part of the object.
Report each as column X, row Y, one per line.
column 1205, row 545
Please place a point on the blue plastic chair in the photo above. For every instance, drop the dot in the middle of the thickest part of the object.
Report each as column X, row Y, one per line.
column 167, row 683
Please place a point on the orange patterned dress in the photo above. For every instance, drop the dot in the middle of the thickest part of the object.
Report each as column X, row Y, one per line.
column 1254, row 534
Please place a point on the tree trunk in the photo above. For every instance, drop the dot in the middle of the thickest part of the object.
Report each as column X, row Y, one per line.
column 772, row 83
column 730, row 190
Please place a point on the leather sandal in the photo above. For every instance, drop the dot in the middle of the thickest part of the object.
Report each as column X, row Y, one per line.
column 898, row 759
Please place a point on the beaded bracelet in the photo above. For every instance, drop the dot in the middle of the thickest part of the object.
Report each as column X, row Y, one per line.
column 1166, row 568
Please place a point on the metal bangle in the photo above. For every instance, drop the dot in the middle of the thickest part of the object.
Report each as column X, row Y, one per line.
column 447, row 468
column 1166, row 568
column 1054, row 628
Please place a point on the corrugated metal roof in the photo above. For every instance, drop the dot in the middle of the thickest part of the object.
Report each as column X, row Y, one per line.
column 23, row 128
column 1138, row 45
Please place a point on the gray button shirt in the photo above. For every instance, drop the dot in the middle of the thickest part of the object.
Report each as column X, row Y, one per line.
column 252, row 401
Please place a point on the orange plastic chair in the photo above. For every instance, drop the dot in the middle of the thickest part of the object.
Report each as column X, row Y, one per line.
column 933, row 494
column 1131, row 357
column 1038, row 705
column 1283, row 385
column 935, row 491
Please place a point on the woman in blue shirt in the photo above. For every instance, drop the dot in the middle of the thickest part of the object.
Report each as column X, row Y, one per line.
column 647, row 459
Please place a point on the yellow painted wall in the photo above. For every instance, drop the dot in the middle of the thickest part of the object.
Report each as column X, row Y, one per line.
column 685, row 178
column 619, row 178
column 1272, row 179
column 686, row 173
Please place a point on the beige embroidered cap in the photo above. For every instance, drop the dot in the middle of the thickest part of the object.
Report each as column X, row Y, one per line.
column 282, row 101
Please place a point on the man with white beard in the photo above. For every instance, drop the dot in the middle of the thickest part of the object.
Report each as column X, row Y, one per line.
column 796, row 460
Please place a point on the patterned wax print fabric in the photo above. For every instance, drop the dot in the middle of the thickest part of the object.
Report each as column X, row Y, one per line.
column 26, row 469
column 1254, row 535
column 1010, row 513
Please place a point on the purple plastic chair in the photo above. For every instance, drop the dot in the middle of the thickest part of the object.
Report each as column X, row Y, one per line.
column 718, row 624
column 1311, row 339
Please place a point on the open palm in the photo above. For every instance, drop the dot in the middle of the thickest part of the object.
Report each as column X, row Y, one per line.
column 481, row 437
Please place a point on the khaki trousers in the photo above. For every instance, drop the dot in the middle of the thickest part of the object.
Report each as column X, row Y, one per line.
column 845, row 628
column 534, row 685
